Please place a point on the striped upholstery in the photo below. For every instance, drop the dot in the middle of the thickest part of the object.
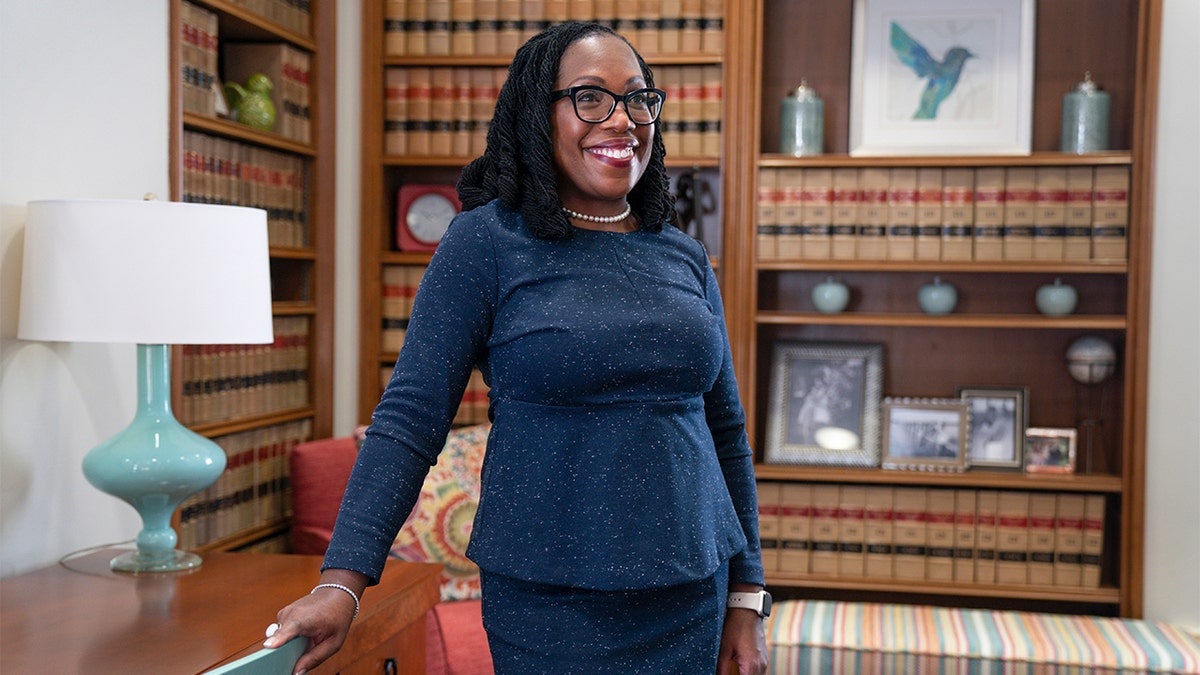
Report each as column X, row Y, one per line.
column 808, row 636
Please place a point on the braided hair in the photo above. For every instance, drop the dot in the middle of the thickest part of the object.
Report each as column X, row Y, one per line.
column 518, row 164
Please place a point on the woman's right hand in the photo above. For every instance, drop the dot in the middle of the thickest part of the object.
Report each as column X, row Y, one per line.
column 323, row 616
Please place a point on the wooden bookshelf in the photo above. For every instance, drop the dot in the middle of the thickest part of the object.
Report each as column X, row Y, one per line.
column 292, row 176
column 995, row 336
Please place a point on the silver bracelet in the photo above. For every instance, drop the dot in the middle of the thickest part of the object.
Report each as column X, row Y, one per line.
column 340, row 588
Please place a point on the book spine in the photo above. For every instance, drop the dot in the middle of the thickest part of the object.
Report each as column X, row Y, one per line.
column 691, row 26
column 765, row 243
column 816, row 213
column 1012, row 538
column 902, row 214
column 823, row 557
column 1077, row 244
column 964, row 535
column 1110, row 213
column 878, row 534
column 395, row 27
column 795, row 524
column 928, row 245
column 1041, row 538
column 909, row 533
column 462, row 27
column 1068, row 540
column 789, row 185
column 873, row 214
column 940, row 534
column 958, row 213
column 986, row 516
column 711, row 104
column 487, row 27
column 437, row 27
column 691, row 111
column 1019, row 201
column 1093, row 540
column 712, row 26
column 989, row 214
column 1050, row 213
column 844, row 232
column 770, row 507
column 670, row 26
column 416, row 40
column 852, row 504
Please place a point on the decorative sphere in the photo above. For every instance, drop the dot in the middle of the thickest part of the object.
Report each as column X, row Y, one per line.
column 1091, row 359
column 937, row 297
column 1056, row 299
column 830, row 296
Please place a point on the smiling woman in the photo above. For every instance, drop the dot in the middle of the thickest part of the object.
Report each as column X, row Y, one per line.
column 617, row 526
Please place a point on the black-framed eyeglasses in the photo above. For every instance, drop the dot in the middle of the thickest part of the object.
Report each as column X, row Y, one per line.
column 595, row 104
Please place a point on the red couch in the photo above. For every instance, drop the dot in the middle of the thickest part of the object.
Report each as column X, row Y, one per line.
column 456, row 643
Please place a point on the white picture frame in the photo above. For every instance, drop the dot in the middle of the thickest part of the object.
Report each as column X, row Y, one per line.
column 987, row 111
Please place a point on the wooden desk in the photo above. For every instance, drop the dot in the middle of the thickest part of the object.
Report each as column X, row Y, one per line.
column 79, row 617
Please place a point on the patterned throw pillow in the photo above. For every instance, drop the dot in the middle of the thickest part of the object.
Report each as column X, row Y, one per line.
column 439, row 526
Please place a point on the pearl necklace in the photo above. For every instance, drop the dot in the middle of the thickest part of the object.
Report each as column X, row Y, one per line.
column 600, row 219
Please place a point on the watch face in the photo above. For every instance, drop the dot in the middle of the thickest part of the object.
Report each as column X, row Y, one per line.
column 429, row 216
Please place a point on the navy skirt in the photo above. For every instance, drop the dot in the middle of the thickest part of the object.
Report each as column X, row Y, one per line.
column 540, row 628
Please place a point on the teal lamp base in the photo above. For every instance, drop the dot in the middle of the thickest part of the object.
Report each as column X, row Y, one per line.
column 153, row 465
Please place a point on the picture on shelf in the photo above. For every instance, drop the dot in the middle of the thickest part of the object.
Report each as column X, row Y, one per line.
column 942, row 77
column 1050, row 450
column 824, row 404
column 928, row 434
column 997, row 430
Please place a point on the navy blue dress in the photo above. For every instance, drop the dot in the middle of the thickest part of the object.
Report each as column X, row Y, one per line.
column 618, row 458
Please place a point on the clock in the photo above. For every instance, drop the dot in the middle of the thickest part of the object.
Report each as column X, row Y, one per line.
column 423, row 214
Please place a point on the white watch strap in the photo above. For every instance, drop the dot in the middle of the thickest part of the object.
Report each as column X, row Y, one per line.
column 751, row 601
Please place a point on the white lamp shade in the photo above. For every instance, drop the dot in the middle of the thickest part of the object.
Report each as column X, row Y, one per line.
column 146, row 272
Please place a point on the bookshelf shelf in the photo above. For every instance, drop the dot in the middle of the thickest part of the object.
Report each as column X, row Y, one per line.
column 256, row 401
column 1076, row 322
column 995, row 480
column 995, row 337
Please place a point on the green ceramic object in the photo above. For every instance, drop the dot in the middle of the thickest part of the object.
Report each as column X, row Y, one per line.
column 251, row 105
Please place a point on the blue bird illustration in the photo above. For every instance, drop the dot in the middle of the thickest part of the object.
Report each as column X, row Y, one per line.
column 942, row 76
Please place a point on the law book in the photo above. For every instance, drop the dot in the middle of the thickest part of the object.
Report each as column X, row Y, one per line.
column 712, row 26
column 487, row 27
column 1110, row 213
column 765, row 237
column 909, row 533
column 420, row 107
column 823, row 556
column 928, row 245
column 462, row 27
column 844, row 234
column 902, row 213
column 770, row 506
column 533, row 18
column 671, row 26
column 877, row 535
column 691, row 26
column 395, row 121
column 958, row 213
column 691, row 111
column 581, row 10
column 461, row 121
column 1042, row 506
column 1050, row 213
column 416, row 41
column 485, row 89
column 789, row 214
column 605, row 12
column 1068, row 539
column 1019, row 205
column 396, row 297
column 711, row 105
column 198, row 59
column 395, row 27
column 437, row 27
column 873, row 214
column 816, row 213
column 795, row 527
column 986, row 512
column 1012, row 538
column 989, row 214
column 670, row 80
column 964, row 535
column 852, row 504
column 441, row 112
column 1093, row 540
column 1077, row 241
column 647, row 33
column 508, row 29
column 939, row 525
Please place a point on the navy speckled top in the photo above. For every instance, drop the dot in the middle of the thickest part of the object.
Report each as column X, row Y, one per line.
column 618, row 457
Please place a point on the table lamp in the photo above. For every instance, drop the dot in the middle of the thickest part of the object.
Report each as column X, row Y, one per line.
column 151, row 273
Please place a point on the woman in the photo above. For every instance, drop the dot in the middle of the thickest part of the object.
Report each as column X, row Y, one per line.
column 618, row 500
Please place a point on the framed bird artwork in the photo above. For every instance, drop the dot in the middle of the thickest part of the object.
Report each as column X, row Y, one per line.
column 942, row 77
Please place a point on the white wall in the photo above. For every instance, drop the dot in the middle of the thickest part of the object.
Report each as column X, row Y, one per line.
column 83, row 90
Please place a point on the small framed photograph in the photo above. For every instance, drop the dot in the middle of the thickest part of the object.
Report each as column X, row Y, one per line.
column 927, row 434
column 1049, row 450
column 997, row 434
column 942, row 77
column 824, row 404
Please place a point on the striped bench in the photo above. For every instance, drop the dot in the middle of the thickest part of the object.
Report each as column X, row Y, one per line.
column 810, row 636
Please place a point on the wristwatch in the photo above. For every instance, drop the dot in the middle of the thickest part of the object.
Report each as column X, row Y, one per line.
column 760, row 602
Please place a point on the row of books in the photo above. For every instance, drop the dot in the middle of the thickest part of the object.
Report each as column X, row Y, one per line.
column 294, row 15
column 254, row 489
column 445, row 111
column 1004, row 537
column 289, row 69
column 399, row 288
column 223, row 382
column 198, row 60
column 499, row 27
column 1076, row 213
column 223, row 171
